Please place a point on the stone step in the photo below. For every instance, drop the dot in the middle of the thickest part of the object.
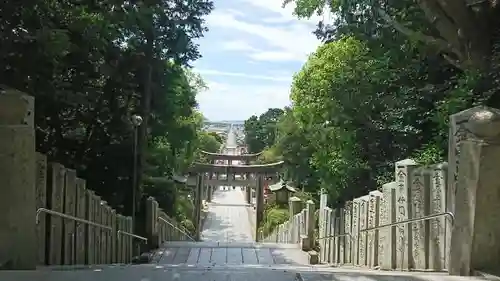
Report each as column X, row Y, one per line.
column 221, row 253
column 153, row 272
column 210, row 244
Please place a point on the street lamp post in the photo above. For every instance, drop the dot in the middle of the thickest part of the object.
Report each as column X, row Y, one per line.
column 136, row 121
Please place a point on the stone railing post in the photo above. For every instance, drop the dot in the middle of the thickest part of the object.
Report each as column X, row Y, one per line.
column 152, row 222
column 307, row 241
column 387, row 250
column 18, row 246
column 475, row 238
column 363, row 224
column 120, row 225
column 41, row 192
column 294, row 206
column 89, row 230
column 440, row 228
column 69, row 209
column 348, row 230
column 373, row 239
column 405, row 170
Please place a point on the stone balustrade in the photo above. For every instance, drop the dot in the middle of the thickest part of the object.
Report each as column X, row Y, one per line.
column 350, row 234
column 299, row 229
column 50, row 217
column 440, row 217
column 160, row 228
column 98, row 236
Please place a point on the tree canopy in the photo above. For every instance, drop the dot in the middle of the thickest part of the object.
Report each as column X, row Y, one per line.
column 91, row 66
column 260, row 132
column 378, row 90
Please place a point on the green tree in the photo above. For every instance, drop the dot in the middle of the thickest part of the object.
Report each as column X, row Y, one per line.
column 90, row 67
column 463, row 32
column 260, row 132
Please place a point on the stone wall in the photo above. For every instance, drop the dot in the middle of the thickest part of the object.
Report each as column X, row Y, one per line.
column 417, row 192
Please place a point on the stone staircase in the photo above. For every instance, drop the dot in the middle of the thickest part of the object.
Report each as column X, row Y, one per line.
column 213, row 261
column 229, row 254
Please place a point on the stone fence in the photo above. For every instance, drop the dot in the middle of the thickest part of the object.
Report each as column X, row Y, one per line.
column 361, row 234
column 299, row 229
column 88, row 232
column 441, row 217
column 160, row 228
column 101, row 236
column 48, row 215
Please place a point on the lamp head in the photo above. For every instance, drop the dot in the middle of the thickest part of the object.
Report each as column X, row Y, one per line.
column 136, row 120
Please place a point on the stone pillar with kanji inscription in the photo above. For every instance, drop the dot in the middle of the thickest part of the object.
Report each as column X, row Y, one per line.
column 348, row 231
column 419, row 207
column 373, row 221
column 355, row 231
column 363, row 224
column 475, row 237
column 404, row 171
column 387, row 246
column 439, row 228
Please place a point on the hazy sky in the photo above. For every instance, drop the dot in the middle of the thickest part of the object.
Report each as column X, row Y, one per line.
column 250, row 53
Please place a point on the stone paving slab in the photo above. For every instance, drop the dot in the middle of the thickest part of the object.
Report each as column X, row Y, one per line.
column 232, row 254
column 227, row 218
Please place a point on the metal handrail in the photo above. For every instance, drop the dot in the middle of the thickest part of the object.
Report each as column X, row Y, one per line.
column 424, row 218
column 337, row 235
column 180, row 230
column 123, row 232
column 66, row 216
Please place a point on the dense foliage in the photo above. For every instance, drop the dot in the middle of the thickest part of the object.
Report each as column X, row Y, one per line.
column 93, row 64
column 380, row 89
column 260, row 132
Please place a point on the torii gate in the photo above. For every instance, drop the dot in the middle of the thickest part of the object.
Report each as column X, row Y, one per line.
column 250, row 176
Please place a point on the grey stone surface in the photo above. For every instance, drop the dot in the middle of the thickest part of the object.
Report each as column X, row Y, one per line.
column 157, row 272
column 227, row 219
column 227, row 239
column 475, row 236
column 18, row 248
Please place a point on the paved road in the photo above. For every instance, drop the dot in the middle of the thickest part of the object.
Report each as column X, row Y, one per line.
column 231, row 139
column 227, row 219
